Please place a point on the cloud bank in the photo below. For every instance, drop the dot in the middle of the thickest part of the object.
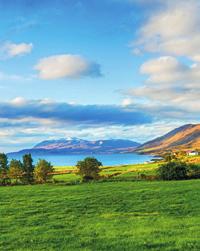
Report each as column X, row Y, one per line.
column 83, row 115
column 26, row 122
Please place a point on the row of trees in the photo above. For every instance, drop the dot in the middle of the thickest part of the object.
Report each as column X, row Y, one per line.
column 24, row 172
column 89, row 169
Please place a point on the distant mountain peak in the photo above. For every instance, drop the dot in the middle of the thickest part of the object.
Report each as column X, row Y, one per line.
column 75, row 145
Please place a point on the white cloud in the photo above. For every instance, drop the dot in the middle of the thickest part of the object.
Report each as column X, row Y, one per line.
column 172, row 72
column 18, row 101
column 172, row 86
column 164, row 69
column 172, row 89
column 127, row 102
column 12, row 50
column 66, row 66
column 174, row 30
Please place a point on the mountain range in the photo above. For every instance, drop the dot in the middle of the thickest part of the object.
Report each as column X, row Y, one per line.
column 81, row 146
column 186, row 137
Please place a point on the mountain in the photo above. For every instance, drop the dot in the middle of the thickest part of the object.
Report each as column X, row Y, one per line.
column 80, row 146
column 183, row 138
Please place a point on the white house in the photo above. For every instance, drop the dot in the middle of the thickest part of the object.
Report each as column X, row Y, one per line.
column 192, row 153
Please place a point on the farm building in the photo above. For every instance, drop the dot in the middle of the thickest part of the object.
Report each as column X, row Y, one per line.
column 192, row 153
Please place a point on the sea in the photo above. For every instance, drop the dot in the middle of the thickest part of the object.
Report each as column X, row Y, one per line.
column 106, row 159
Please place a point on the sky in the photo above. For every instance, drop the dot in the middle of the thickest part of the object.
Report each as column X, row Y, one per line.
column 95, row 69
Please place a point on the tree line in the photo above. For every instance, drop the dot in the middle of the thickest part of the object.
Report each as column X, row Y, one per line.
column 24, row 172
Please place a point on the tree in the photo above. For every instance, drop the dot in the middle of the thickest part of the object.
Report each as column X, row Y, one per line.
column 173, row 170
column 180, row 155
column 88, row 168
column 15, row 170
column 4, row 179
column 28, row 168
column 169, row 156
column 42, row 171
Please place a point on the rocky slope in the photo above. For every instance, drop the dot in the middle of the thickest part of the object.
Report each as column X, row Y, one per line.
column 183, row 138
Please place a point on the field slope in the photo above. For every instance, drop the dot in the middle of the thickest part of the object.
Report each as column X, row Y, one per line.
column 101, row 216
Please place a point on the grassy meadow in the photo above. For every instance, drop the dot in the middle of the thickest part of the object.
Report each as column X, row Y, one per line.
column 122, row 172
column 120, row 214
column 101, row 216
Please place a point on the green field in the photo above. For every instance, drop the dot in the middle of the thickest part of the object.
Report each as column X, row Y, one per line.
column 122, row 172
column 101, row 216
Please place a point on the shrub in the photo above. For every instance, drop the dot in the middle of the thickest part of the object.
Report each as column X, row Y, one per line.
column 43, row 170
column 148, row 177
column 142, row 176
column 173, row 170
column 88, row 169
column 193, row 171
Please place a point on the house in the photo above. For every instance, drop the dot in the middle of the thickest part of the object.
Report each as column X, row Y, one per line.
column 192, row 153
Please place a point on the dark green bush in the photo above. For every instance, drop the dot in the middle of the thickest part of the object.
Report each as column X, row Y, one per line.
column 193, row 171
column 173, row 170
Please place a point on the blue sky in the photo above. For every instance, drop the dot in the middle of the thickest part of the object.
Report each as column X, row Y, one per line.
column 97, row 69
column 98, row 30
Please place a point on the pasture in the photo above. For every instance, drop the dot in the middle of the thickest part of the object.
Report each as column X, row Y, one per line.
column 121, row 215
column 122, row 172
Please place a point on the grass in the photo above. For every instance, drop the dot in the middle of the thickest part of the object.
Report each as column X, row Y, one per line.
column 61, row 168
column 122, row 215
column 71, row 177
column 101, row 216
column 193, row 159
column 122, row 171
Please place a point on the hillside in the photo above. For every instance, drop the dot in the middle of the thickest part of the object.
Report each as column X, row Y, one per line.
column 182, row 138
column 80, row 146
